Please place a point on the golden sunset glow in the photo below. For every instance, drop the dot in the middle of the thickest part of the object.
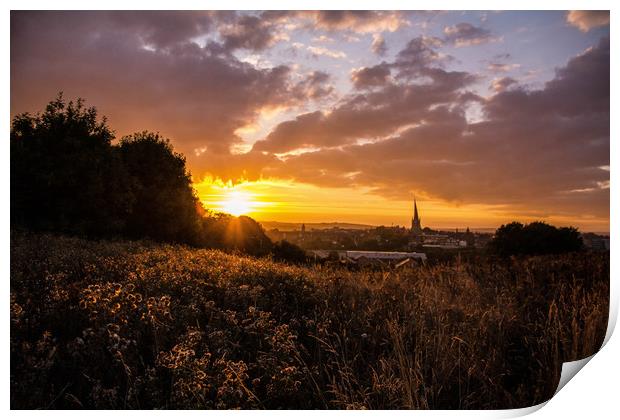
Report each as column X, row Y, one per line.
column 237, row 203
column 344, row 116
column 239, row 199
column 295, row 202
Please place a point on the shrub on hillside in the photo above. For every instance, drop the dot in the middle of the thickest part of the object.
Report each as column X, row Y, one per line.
column 537, row 238
column 288, row 252
column 65, row 174
column 165, row 202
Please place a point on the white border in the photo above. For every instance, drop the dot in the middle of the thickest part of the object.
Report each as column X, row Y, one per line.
column 592, row 394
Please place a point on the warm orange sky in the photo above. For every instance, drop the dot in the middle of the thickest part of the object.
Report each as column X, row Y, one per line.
column 287, row 201
column 308, row 116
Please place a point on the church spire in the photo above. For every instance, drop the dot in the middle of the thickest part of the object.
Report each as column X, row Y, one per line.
column 416, row 222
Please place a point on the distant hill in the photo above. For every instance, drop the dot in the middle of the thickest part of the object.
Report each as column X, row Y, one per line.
column 288, row 226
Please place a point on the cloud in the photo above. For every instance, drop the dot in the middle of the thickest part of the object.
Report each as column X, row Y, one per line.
column 314, row 86
column 405, row 126
column 248, row 32
column 197, row 96
column 344, row 22
column 375, row 113
column 502, row 67
column 581, row 87
column 323, row 38
column 536, row 151
column 326, row 52
column 360, row 21
column 465, row 34
column 378, row 45
column 419, row 53
column 500, row 84
column 367, row 77
column 587, row 19
column 157, row 29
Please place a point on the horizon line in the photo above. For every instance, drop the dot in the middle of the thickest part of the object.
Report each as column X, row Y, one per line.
column 607, row 232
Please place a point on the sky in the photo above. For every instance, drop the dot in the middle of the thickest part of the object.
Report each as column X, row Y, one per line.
column 309, row 116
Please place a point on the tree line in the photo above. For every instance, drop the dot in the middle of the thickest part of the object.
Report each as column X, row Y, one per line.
column 536, row 238
column 68, row 176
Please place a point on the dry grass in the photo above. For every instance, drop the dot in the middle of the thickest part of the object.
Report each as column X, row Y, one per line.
column 138, row 325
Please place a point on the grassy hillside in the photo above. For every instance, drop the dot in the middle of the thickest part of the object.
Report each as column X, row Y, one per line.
column 142, row 325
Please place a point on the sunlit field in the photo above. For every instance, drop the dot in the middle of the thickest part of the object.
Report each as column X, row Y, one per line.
column 100, row 324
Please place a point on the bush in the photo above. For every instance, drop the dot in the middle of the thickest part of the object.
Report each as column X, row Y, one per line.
column 165, row 202
column 288, row 252
column 537, row 238
column 232, row 233
column 65, row 175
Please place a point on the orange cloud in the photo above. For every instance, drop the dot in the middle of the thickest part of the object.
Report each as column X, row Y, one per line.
column 588, row 19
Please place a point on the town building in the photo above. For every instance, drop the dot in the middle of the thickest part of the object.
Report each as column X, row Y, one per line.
column 380, row 238
column 416, row 222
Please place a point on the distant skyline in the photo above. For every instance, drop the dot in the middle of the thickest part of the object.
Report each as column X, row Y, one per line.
column 486, row 117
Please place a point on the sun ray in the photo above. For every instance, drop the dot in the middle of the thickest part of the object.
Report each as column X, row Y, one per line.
column 237, row 202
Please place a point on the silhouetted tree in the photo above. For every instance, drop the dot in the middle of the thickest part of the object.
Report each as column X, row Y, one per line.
column 165, row 205
column 536, row 238
column 67, row 176
column 64, row 174
column 286, row 251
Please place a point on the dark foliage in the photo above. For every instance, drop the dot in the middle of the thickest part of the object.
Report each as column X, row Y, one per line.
column 288, row 252
column 537, row 238
column 67, row 176
column 101, row 324
column 165, row 203
column 235, row 233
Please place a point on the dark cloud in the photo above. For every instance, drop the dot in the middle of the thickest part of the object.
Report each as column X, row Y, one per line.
column 365, row 116
column 248, row 32
column 465, row 34
column 420, row 52
column 159, row 29
column 367, row 77
column 421, row 58
column 315, row 85
column 537, row 151
column 372, row 114
column 144, row 72
column 581, row 87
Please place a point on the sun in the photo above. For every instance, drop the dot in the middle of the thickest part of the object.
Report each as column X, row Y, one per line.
column 237, row 203
column 249, row 198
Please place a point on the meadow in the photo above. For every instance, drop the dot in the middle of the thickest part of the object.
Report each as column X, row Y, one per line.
column 141, row 325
